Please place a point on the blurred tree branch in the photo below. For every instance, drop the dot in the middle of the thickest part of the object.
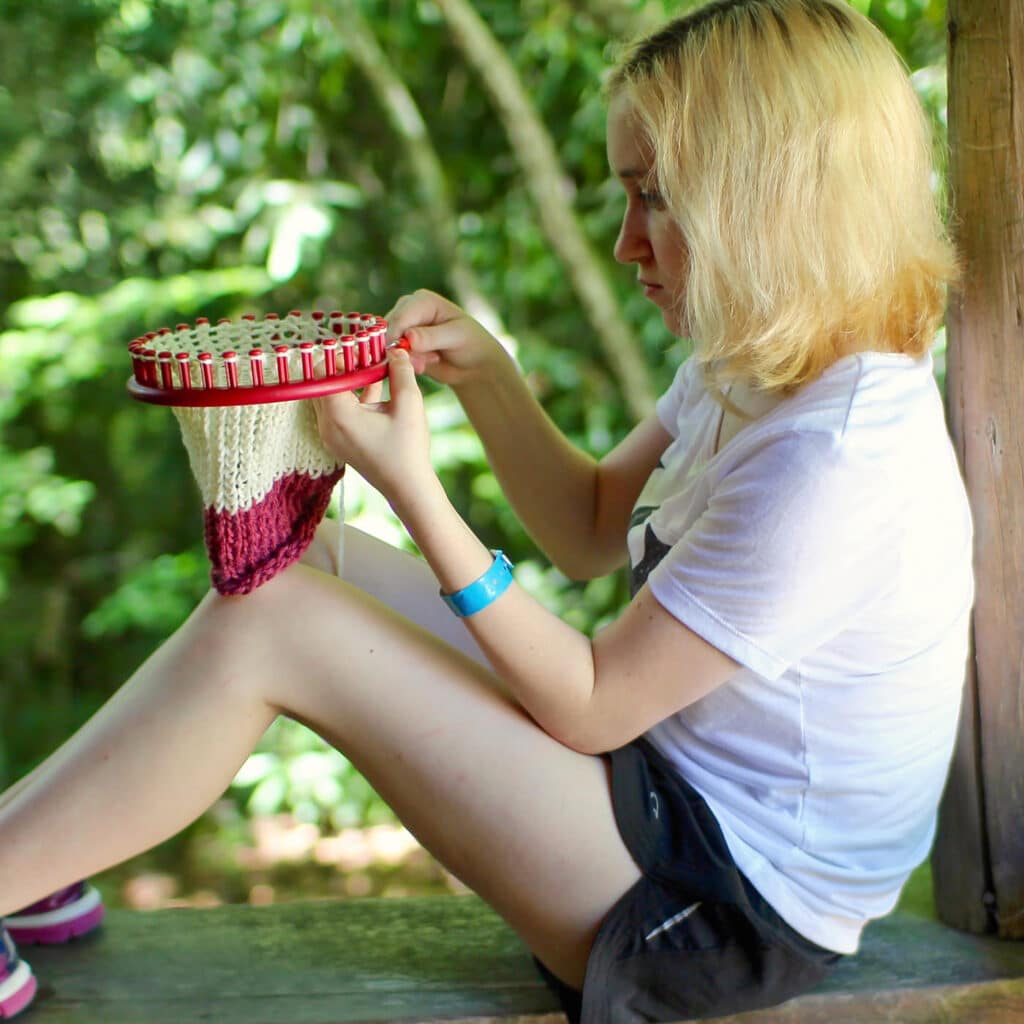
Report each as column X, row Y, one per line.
column 546, row 183
column 624, row 19
column 410, row 127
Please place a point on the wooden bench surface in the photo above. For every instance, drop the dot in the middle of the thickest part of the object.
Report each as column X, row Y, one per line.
column 451, row 958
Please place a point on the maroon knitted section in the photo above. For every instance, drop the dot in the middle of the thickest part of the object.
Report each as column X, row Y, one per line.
column 250, row 547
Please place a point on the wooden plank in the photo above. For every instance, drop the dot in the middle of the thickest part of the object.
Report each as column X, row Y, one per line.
column 451, row 958
column 308, row 963
column 986, row 390
column 997, row 1003
column 960, row 865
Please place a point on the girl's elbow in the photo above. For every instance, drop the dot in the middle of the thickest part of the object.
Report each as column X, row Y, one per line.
column 590, row 738
column 589, row 563
column 595, row 747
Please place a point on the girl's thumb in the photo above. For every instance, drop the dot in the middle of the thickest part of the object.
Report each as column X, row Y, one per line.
column 400, row 371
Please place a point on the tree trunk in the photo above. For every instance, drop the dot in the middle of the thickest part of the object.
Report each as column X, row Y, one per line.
column 546, row 181
column 979, row 853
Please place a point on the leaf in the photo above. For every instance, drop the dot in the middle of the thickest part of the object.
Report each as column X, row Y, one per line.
column 269, row 795
column 256, row 768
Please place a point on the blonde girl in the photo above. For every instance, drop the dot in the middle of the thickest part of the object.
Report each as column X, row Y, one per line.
column 696, row 811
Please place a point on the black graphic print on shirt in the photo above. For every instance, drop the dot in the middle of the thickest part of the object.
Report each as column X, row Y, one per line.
column 640, row 514
column 654, row 551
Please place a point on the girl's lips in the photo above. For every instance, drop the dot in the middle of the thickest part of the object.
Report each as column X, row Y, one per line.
column 650, row 289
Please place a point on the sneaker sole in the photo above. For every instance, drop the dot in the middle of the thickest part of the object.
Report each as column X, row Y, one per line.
column 17, row 991
column 58, row 926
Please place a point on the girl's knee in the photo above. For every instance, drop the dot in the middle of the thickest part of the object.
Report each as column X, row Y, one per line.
column 322, row 553
column 220, row 619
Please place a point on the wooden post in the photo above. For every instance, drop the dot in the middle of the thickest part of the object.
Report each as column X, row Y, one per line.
column 978, row 860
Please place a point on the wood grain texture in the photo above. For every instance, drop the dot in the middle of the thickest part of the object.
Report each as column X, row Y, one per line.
column 986, row 395
column 451, row 958
column 960, row 866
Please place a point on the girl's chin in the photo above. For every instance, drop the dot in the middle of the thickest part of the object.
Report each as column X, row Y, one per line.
column 676, row 322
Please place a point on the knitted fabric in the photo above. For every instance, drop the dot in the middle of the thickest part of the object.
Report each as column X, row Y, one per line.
column 265, row 480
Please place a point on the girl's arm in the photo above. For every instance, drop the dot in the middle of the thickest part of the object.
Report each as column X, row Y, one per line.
column 576, row 508
column 592, row 695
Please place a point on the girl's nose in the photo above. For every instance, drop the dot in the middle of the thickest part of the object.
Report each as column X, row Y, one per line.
column 632, row 245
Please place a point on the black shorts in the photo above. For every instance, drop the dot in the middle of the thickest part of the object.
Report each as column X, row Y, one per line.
column 692, row 938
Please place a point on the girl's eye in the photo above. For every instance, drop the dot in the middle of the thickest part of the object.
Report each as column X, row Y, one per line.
column 650, row 200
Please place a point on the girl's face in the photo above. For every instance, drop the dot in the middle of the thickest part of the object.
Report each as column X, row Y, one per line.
column 649, row 236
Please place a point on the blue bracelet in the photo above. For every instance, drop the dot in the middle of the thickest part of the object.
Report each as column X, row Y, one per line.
column 482, row 592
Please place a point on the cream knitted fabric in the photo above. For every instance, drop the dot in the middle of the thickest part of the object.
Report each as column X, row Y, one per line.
column 265, row 480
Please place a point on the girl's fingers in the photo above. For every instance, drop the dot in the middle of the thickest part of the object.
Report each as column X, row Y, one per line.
column 422, row 361
column 334, row 408
column 428, row 339
column 421, row 308
column 332, row 413
column 402, row 375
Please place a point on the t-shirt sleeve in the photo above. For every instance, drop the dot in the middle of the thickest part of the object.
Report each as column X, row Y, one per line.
column 680, row 391
column 790, row 546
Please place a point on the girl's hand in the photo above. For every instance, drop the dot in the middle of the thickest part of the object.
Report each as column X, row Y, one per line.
column 387, row 443
column 445, row 342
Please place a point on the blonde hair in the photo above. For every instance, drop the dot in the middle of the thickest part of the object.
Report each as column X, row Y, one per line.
column 792, row 150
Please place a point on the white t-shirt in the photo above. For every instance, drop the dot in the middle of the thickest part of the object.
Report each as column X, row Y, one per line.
column 827, row 549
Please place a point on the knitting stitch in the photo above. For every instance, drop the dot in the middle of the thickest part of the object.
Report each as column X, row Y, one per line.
column 265, row 479
column 237, row 389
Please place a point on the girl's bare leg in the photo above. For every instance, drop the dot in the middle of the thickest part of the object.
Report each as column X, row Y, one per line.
column 520, row 818
column 397, row 578
column 12, row 791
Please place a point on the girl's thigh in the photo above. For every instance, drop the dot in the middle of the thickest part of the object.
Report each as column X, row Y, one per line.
column 523, row 820
column 398, row 578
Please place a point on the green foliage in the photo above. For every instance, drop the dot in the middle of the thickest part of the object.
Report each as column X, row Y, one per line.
column 154, row 597
column 295, row 771
column 174, row 158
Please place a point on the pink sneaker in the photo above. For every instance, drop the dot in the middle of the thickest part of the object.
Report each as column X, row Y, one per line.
column 65, row 915
column 17, row 984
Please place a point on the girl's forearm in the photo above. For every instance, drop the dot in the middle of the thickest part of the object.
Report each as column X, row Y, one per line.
column 518, row 635
column 550, row 484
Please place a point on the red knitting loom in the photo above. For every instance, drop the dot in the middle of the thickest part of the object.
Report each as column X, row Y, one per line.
column 264, row 475
column 250, row 361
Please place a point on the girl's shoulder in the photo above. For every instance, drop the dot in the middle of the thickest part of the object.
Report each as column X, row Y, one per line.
column 865, row 400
